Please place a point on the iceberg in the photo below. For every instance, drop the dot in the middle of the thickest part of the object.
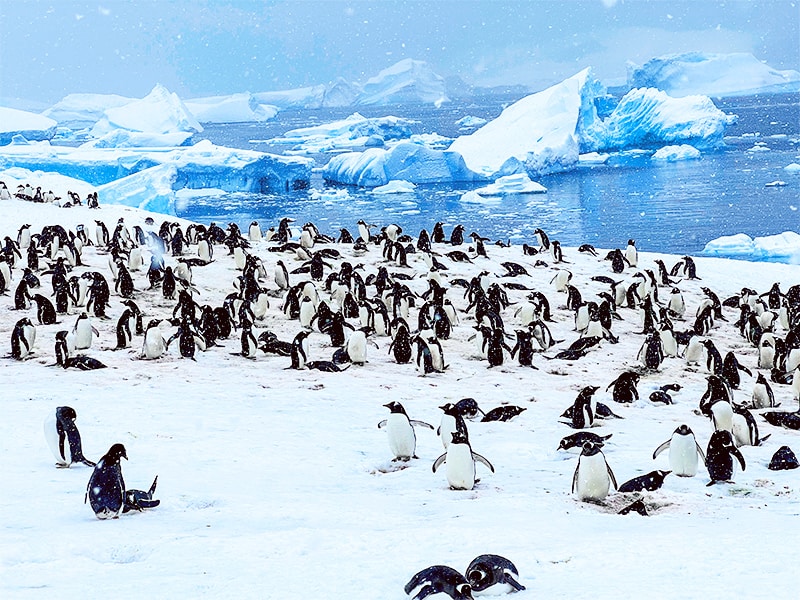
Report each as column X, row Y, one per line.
column 408, row 81
column 396, row 186
column 650, row 118
column 717, row 75
column 306, row 97
column 203, row 165
column 351, row 132
column 236, row 108
column 784, row 247
column 512, row 184
column 84, row 110
column 539, row 134
column 675, row 153
column 24, row 126
column 160, row 113
column 150, row 189
column 411, row 162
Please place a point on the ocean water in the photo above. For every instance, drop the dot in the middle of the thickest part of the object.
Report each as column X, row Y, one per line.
column 671, row 207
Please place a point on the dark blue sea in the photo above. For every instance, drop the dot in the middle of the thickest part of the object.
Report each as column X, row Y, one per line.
column 670, row 207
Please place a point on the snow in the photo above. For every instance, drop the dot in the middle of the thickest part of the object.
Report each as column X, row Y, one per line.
column 236, row 108
column 792, row 168
column 200, row 166
column 512, row 184
column 783, row 246
column 718, row 75
column 158, row 113
column 675, row 153
column 29, row 125
column 470, row 121
column 277, row 483
column 406, row 81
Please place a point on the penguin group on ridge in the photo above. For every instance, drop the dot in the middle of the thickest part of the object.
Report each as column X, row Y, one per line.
column 384, row 292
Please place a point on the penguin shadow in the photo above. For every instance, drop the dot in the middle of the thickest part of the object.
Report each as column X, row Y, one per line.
column 637, row 503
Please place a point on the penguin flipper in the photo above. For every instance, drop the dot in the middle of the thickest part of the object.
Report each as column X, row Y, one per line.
column 700, row 450
column 438, row 462
column 382, row 424
column 664, row 446
column 611, row 475
column 421, row 423
column 739, row 457
column 575, row 477
column 483, row 460
column 507, row 578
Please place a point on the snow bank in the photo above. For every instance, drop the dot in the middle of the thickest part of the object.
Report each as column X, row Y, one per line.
column 783, row 247
column 203, row 165
column 84, row 110
column 160, row 113
column 407, row 81
column 29, row 125
column 718, row 75
column 675, row 153
column 236, row 108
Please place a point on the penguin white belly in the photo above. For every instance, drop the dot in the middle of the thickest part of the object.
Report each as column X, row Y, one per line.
column 722, row 415
column 760, row 396
column 51, row 435
column 446, row 428
column 796, row 384
column 460, row 467
column 154, row 345
column 676, row 305
column 593, row 481
column 741, row 431
column 695, row 351
column 561, row 280
column 254, row 233
column 526, row 314
column 261, row 306
column 135, row 260
column 683, row 458
column 203, row 251
column 766, row 357
column 437, row 360
column 582, row 318
column 239, row 258
column 668, row 343
column 594, row 329
column 402, row 440
column 83, row 335
column 793, row 360
column 357, row 347
column 29, row 331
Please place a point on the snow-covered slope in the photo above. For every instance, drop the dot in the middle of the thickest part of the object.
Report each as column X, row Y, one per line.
column 29, row 126
column 717, row 75
column 277, row 483
column 406, row 81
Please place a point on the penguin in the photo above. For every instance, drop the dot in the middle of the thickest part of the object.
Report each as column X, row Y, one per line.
column 625, row 390
column 493, row 574
column 574, row 442
column 651, row 353
column 783, row 459
column 763, row 396
column 22, row 338
column 188, row 340
column 299, row 354
column 722, row 415
column 357, row 347
column 542, row 239
column 439, row 579
column 64, row 439
column 650, row 482
column 83, row 330
column 460, row 461
column 683, row 452
column 254, row 232
column 141, row 500
column 676, row 307
column 154, row 344
column 719, row 457
column 106, row 489
column 400, row 429
column 452, row 420
column 468, row 408
column 631, row 255
column 45, row 311
column 593, row 477
column 502, row 413
column 582, row 411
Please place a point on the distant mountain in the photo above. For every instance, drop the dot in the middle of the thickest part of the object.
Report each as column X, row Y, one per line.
column 408, row 81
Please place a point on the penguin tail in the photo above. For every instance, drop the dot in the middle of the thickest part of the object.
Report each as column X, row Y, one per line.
column 153, row 487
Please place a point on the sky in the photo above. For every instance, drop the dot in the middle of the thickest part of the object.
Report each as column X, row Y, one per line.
column 214, row 47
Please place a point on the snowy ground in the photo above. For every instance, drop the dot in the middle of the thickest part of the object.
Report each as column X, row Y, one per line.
column 278, row 484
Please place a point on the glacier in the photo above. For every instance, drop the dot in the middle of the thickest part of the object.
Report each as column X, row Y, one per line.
column 84, row 110
column 408, row 81
column 545, row 133
column 24, row 126
column 717, row 75
column 235, row 108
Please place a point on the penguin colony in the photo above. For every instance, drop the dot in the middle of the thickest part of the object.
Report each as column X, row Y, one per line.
column 384, row 297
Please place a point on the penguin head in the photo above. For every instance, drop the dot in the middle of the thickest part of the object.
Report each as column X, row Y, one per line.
column 590, row 449
column 721, row 440
column 395, row 407
column 684, row 430
column 463, row 592
column 66, row 412
column 116, row 452
column 468, row 407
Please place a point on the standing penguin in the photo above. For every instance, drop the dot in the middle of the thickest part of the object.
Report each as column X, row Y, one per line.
column 402, row 440
column 460, row 461
column 625, row 390
column 631, row 255
column 83, row 331
column 651, row 354
column 593, row 477
column 492, row 571
column 63, row 437
column 154, row 344
column 22, row 339
column 452, row 420
column 106, row 489
column 763, row 396
column 45, row 311
column 683, row 452
column 582, row 413
column 299, row 353
column 719, row 456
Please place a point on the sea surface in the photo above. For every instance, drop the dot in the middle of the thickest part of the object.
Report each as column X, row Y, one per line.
column 671, row 207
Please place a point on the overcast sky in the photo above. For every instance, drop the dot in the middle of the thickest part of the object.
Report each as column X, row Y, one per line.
column 209, row 47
